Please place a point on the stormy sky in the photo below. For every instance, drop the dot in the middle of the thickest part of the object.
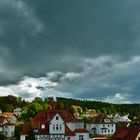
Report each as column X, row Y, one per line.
column 84, row 49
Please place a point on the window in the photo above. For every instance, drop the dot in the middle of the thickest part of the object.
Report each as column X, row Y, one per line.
column 57, row 118
column 108, row 125
column 81, row 137
column 43, row 126
column 108, row 130
column 103, row 125
column 112, row 130
column 54, row 127
column 68, row 138
column 57, row 127
column 60, row 127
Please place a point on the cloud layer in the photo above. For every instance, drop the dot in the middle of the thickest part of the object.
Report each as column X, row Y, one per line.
column 80, row 49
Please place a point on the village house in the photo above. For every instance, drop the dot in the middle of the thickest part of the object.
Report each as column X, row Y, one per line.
column 2, row 122
column 7, row 129
column 17, row 111
column 55, row 124
column 127, row 133
column 101, row 125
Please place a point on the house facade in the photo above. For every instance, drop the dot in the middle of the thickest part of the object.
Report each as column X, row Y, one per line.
column 8, row 130
column 56, row 125
column 101, row 125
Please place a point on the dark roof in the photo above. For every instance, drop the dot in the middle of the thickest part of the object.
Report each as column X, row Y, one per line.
column 1, row 119
column 26, row 128
column 43, row 131
column 45, row 116
column 100, row 118
column 8, row 124
column 80, row 130
column 126, row 133
column 68, row 132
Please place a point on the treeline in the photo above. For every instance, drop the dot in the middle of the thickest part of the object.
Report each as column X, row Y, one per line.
column 30, row 109
column 132, row 109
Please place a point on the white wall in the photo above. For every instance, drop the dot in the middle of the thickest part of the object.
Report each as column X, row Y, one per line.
column 22, row 137
column 79, row 125
column 71, row 125
column 98, row 127
column 9, row 130
column 71, row 138
column 54, row 124
column 85, row 135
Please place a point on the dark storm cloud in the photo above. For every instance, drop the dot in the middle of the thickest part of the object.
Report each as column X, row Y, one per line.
column 86, row 47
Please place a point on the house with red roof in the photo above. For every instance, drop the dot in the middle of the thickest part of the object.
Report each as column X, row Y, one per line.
column 55, row 124
column 2, row 122
column 127, row 133
column 101, row 125
column 6, row 128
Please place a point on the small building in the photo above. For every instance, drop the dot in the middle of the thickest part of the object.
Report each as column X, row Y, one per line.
column 2, row 122
column 17, row 111
column 101, row 125
column 8, row 130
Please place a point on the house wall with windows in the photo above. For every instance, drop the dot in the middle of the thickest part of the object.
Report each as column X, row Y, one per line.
column 101, row 129
column 57, row 125
column 8, row 130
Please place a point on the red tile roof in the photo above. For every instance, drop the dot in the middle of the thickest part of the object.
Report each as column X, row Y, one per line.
column 26, row 128
column 126, row 133
column 45, row 116
column 80, row 131
column 7, row 114
column 100, row 118
column 8, row 124
column 43, row 131
column 100, row 139
column 68, row 132
column 1, row 119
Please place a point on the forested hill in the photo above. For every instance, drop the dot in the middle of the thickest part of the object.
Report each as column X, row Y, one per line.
column 9, row 103
column 109, row 108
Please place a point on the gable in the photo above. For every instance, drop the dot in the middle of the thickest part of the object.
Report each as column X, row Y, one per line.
column 57, row 119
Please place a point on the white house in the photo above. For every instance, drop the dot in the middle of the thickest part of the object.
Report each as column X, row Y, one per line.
column 119, row 118
column 2, row 122
column 101, row 125
column 8, row 130
column 17, row 111
column 56, row 125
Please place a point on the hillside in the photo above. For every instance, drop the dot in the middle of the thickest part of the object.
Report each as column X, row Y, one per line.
column 8, row 103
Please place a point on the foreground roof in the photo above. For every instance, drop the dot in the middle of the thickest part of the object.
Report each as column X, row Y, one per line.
column 126, row 133
column 26, row 128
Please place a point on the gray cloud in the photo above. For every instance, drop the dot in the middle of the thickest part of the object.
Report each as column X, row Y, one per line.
column 89, row 48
